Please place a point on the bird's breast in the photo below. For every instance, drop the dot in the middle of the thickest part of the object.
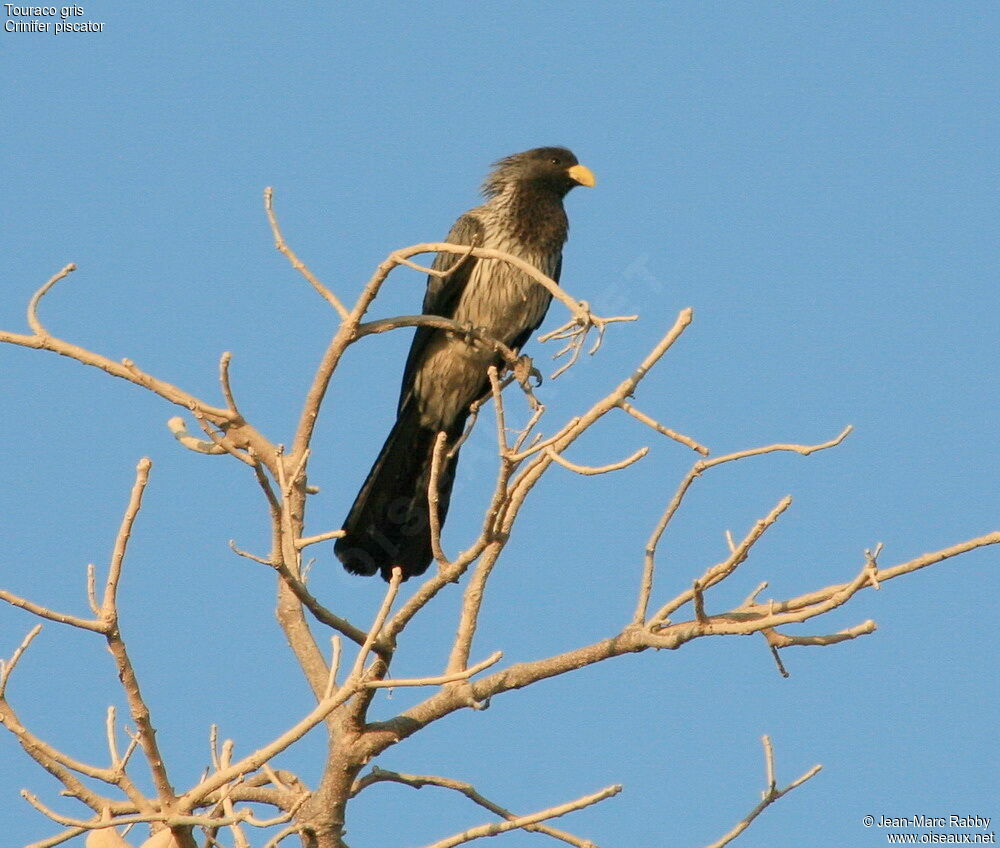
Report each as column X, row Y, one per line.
column 501, row 299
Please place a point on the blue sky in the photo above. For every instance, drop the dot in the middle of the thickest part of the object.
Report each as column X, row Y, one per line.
column 818, row 181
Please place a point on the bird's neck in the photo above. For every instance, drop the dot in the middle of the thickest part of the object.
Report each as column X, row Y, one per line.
column 533, row 216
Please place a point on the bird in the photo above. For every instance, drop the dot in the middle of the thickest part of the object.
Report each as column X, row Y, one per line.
column 446, row 372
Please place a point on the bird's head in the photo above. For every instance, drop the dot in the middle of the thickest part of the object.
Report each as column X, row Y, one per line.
column 553, row 169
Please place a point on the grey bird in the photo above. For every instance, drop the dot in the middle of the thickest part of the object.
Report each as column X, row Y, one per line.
column 389, row 523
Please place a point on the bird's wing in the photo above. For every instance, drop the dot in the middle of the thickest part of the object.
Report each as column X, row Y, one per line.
column 443, row 293
column 522, row 338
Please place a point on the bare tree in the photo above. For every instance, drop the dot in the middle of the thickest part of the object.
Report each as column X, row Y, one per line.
column 241, row 794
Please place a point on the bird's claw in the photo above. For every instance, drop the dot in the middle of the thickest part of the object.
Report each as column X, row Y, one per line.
column 524, row 369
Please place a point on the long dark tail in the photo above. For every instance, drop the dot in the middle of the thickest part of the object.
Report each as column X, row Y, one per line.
column 389, row 523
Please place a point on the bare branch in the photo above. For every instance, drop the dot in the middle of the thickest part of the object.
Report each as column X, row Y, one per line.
column 719, row 572
column 699, row 468
column 126, row 370
column 247, row 555
column 729, row 541
column 744, row 620
column 589, row 470
column 51, row 615
column 781, row 640
column 331, row 684
column 812, row 600
column 56, row 763
column 58, row 839
column 178, row 427
column 171, row 820
column 384, row 325
column 418, row 781
column 576, row 330
column 124, row 534
column 536, row 415
column 498, row 408
column 92, row 589
column 432, row 585
column 305, row 541
column 687, row 441
column 390, row 596
column 777, row 658
column 433, row 272
column 770, row 795
column 440, row 680
column 699, row 602
column 222, row 440
column 193, row 797
column 522, row 822
column 298, row 470
column 507, row 501
column 282, row 835
column 539, row 446
column 7, row 666
column 529, row 476
column 472, row 601
column 227, row 389
column 320, row 612
column 434, row 497
column 116, row 644
column 33, row 321
column 297, row 264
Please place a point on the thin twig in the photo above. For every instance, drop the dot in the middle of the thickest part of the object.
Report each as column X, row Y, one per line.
column 227, row 389
column 297, row 264
column 521, row 822
column 178, row 427
column 33, row 321
column 770, row 795
column 699, row 468
column 687, row 441
column 590, row 470
column 331, row 684
column 58, row 839
column 782, row 640
column 719, row 572
column 306, row 541
column 92, row 589
column 390, row 596
column 434, row 498
column 418, row 781
column 116, row 644
column 111, row 733
column 52, row 615
column 441, row 679
column 439, row 322
column 127, row 370
column 7, row 666
column 247, row 555
column 319, row 611
column 433, row 272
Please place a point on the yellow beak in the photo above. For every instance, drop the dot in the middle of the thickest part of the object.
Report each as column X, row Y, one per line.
column 583, row 175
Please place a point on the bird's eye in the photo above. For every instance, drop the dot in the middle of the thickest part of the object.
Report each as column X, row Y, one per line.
column 554, row 160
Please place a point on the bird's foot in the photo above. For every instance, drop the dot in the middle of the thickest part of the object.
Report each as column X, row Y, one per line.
column 524, row 370
column 471, row 333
